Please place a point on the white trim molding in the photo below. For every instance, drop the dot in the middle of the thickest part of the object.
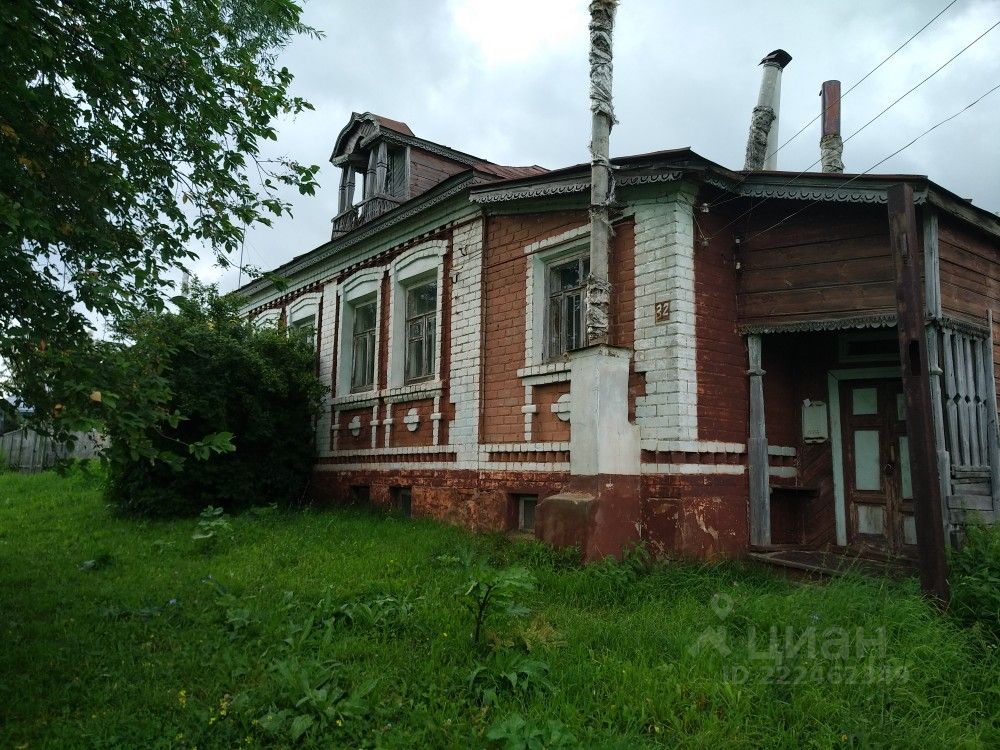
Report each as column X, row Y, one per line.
column 362, row 285
column 541, row 255
column 418, row 264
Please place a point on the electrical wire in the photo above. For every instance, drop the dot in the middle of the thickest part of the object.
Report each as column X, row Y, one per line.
column 864, row 78
column 853, row 86
column 893, row 104
column 929, row 130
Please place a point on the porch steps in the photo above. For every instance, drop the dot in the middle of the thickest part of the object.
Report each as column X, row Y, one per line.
column 829, row 563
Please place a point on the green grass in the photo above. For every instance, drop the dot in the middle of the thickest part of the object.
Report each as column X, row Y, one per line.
column 159, row 642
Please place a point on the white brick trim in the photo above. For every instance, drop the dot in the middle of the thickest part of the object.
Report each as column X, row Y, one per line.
column 666, row 352
column 466, row 342
column 731, row 469
column 418, row 264
column 359, row 286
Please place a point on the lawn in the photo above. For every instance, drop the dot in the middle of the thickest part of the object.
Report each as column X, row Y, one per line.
column 350, row 629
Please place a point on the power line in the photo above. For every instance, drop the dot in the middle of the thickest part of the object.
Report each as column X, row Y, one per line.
column 934, row 127
column 853, row 86
column 894, row 103
column 917, row 86
column 866, row 76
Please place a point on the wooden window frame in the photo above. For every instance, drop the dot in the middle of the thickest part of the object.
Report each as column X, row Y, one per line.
column 555, row 344
column 371, row 336
column 429, row 343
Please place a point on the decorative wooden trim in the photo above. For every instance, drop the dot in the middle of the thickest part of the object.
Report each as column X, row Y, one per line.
column 811, row 190
column 646, row 179
column 529, row 191
column 967, row 327
column 886, row 320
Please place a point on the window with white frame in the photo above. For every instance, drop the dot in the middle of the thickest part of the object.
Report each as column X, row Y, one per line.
column 302, row 316
column 268, row 319
column 358, row 332
column 565, row 305
column 421, row 331
column 415, row 309
column 363, row 345
column 556, row 297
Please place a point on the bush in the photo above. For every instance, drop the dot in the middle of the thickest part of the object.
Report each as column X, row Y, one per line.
column 975, row 579
column 223, row 378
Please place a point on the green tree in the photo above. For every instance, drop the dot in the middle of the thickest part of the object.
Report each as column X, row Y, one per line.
column 220, row 379
column 130, row 140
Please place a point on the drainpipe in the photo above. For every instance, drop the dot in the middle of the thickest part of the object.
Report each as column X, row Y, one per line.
column 831, row 145
column 762, row 144
column 602, row 22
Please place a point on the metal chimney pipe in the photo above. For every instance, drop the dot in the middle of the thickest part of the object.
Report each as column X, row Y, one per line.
column 762, row 144
column 831, row 145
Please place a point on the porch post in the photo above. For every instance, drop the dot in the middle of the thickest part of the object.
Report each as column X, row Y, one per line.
column 932, row 310
column 992, row 437
column 760, row 491
column 934, row 372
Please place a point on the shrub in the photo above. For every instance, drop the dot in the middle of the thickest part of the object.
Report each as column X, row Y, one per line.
column 975, row 578
column 225, row 379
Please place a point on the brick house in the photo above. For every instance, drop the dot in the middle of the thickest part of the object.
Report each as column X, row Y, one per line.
column 448, row 317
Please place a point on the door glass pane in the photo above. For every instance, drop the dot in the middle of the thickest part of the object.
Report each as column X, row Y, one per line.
column 864, row 401
column 909, row 530
column 871, row 520
column 906, row 487
column 900, row 407
column 866, row 461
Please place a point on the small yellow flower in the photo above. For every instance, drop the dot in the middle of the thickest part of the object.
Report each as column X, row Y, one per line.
column 182, row 698
column 340, row 723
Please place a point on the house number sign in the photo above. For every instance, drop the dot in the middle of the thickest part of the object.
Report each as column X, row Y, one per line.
column 661, row 312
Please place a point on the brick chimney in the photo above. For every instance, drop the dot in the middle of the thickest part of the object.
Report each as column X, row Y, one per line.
column 831, row 145
column 762, row 144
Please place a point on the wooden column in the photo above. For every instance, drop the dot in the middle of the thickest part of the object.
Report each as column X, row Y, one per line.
column 381, row 167
column 916, row 386
column 370, row 174
column 937, row 416
column 760, row 489
column 992, row 435
column 932, row 309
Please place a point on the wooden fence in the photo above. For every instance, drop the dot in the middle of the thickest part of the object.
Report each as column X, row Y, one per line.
column 26, row 450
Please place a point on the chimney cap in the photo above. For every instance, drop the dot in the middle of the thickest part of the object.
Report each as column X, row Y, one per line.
column 779, row 57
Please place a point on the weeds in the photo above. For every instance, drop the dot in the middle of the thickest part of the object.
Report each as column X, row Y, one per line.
column 326, row 617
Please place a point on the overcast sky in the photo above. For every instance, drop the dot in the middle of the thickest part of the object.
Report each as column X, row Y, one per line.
column 506, row 80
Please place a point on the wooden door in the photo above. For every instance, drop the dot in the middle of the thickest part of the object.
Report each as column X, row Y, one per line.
column 877, row 488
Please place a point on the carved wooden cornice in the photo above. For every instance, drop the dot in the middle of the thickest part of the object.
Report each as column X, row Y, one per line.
column 885, row 320
column 843, row 193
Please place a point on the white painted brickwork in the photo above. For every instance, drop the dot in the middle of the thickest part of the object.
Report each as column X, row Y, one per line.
column 665, row 352
column 466, row 317
column 327, row 336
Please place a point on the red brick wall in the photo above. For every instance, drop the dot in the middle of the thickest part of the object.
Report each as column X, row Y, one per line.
column 423, row 435
column 505, row 268
column 546, row 427
column 347, row 441
column 721, row 360
column 700, row 515
column 482, row 502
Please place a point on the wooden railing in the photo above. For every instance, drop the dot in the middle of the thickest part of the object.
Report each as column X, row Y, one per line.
column 363, row 212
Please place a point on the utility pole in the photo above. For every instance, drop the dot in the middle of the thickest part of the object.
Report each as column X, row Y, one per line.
column 916, row 387
column 602, row 23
